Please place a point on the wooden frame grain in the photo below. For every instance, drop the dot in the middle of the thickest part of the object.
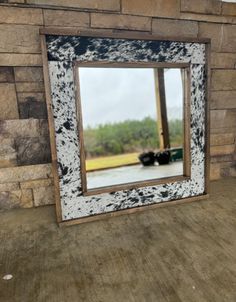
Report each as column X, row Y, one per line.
column 186, row 128
column 122, row 35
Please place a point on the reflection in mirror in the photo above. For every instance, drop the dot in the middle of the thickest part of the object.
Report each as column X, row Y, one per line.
column 132, row 121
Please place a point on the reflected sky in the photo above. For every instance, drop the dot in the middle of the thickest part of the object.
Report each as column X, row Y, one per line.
column 117, row 94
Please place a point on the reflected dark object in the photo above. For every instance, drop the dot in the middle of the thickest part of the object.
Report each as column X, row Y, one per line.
column 176, row 154
column 147, row 158
column 163, row 158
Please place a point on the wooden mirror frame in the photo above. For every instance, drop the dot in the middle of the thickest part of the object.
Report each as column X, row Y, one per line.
column 62, row 51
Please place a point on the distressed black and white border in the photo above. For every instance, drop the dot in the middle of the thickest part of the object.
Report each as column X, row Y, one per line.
column 62, row 52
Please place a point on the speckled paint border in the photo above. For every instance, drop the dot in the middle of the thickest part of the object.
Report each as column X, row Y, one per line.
column 62, row 51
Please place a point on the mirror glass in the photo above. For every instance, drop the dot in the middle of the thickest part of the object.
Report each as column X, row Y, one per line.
column 132, row 120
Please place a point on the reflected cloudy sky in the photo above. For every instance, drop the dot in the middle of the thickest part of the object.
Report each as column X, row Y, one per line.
column 118, row 94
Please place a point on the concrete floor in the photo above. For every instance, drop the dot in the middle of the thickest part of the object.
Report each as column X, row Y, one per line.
column 180, row 253
column 134, row 173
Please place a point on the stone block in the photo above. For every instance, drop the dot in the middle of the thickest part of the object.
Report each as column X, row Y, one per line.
column 214, row 171
column 9, row 186
column 8, row 102
column 223, row 118
column 30, row 87
column 223, row 60
column 66, row 18
column 16, row 199
column 31, row 108
column 153, row 8
column 228, row 38
column 6, row 75
column 223, row 80
column 120, row 22
column 18, row 15
column 229, row 9
column 33, row 150
column 19, row 39
column 32, row 105
column 174, row 28
column 23, row 173
column 222, row 139
column 110, row 5
column 38, row 183
column 201, row 6
column 7, row 153
column 222, row 150
column 16, row 59
column 28, row 74
column 43, row 127
column 213, row 32
column 19, row 128
column 223, row 100
column 31, row 96
column 43, row 196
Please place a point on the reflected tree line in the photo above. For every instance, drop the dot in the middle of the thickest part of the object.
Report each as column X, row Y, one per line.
column 129, row 136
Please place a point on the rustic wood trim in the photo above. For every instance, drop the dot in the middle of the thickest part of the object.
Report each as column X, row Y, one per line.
column 162, row 121
column 135, row 185
column 107, row 64
column 186, row 80
column 51, row 129
column 133, row 210
column 80, row 130
column 117, row 35
column 207, row 118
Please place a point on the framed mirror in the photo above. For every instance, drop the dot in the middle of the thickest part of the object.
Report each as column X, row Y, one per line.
column 128, row 120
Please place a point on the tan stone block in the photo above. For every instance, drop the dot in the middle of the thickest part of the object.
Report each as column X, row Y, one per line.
column 213, row 32
column 228, row 38
column 222, row 158
column 207, row 18
column 16, row 199
column 36, row 96
column 229, row 9
column 33, row 184
column 174, row 28
column 222, row 150
column 9, row 186
column 223, row 60
column 111, row 5
column 19, row 128
column 13, row 59
column 30, row 87
column 8, row 102
column 214, row 171
column 23, row 173
column 154, row 8
column 201, row 6
column 223, row 80
column 43, row 127
column 223, row 100
column 16, row 1
column 222, row 139
column 121, row 22
column 6, row 75
column 19, row 39
column 223, row 118
column 17, row 15
column 28, row 74
column 43, row 196
column 66, row 18
column 8, row 156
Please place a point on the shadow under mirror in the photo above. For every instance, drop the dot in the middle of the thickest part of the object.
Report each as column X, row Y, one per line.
column 133, row 125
